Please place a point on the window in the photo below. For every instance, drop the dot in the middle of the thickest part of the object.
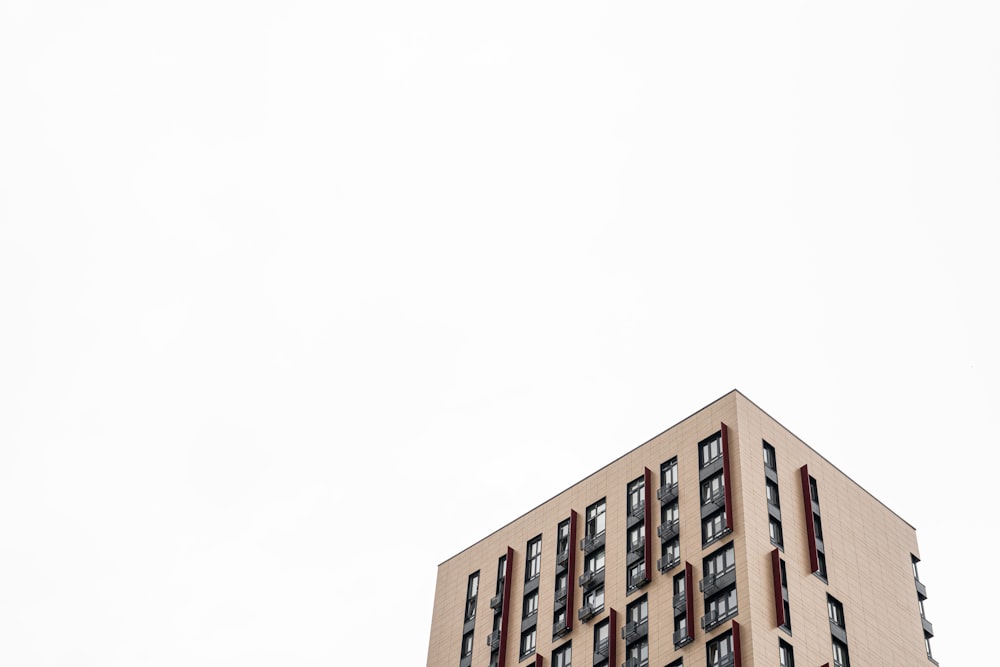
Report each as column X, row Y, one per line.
column 668, row 473
column 562, row 656
column 671, row 553
column 709, row 450
column 772, row 493
column 680, row 584
column 562, row 540
column 562, row 583
column 638, row 653
column 836, row 611
column 472, row 593
column 636, row 575
column 774, row 531
column 602, row 641
column 721, row 562
column 595, row 561
column 671, row 513
column 677, row 663
column 595, row 518
column 916, row 574
column 813, row 490
column 785, row 656
column 927, row 645
column 638, row 611
column 594, row 599
column 719, row 651
column 533, row 561
column 636, row 537
column 527, row 642
column 840, row 657
column 819, row 526
column 723, row 605
column 784, row 597
column 467, row 644
column 713, row 489
column 636, row 498
column 713, row 527
column 821, row 558
column 530, row 604
column 769, row 459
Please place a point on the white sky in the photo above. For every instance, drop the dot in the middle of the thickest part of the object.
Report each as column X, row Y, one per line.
column 288, row 288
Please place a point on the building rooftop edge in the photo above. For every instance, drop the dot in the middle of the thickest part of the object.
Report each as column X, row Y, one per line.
column 648, row 440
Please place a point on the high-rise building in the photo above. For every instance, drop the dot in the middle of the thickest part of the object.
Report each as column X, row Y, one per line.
column 723, row 541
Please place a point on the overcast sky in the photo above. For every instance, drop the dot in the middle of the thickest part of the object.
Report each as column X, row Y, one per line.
column 289, row 291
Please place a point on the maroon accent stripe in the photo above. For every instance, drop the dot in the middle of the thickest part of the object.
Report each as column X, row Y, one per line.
column 779, row 601
column 726, row 476
column 689, row 594
column 538, row 660
column 737, row 653
column 571, row 570
column 505, row 616
column 810, row 524
column 613, row 638
column 648, row 527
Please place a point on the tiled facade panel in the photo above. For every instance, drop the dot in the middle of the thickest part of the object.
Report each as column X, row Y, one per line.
column 868, row 556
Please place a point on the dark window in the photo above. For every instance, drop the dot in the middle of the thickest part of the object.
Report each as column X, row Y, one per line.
column 785, row 656
column 472, row 593
column 638, row 652
column 710, row 449
column 680, row 584
column 713, row 489
column 467, row 644
column 595, row 561
column 533, row 561
column 713, row 527
column 822, row 564
column 530, row 604
column 813, row 490
column 679, row 662
column 527, row 642
column 602, row 642
column 836, row 611
column 916, row 574
column 722, row 604
column 668, row 473
column 638, row 611
column 818, row 524
column 562, row 656
column 672, row 551
column 636, row 575
column 721, row 562
column 562, row 541
column 595, row 518
column 927, row 645
column 719, row 651
column 594, row 599
column 772, row 493
column 636, row 497
column 769, row 459
column 636, row 537
column 840, row 657
column 774, row 531
column 784, row 597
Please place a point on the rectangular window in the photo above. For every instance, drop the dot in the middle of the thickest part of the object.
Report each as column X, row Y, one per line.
column 836, row 611
column 638, row 611
column 636, row 575
column 637, row 537
column 719, row 651
column 821, row 559
column 772, row 493
column 710, row 450
column 595, row 561
column 787, row 625
column 679, row 662
column 713, row 527
column 637, row 653
column 713, row 490
column 527, row 643
column 636, row 495
column 595, row 518
column 721, row 561
column 770, row 461
column 785, row 656
column 774, row 531
column 562, row 539
column 671, row 553
column 530, row 604
column 840, row 657
column 602, row 642
column 668, row 473
column 472, row 593
column 721, row 606
column 813, row 490
column 594, row 599
column 533, row 561
column 562, row 656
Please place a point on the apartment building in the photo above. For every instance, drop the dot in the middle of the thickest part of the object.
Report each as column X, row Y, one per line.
column 724, row 541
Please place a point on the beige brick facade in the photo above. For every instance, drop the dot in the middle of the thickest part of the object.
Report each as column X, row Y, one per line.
column 867, row 547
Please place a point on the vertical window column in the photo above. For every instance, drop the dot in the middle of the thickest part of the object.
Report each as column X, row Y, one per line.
column 683, row 607
column 719, row 587
column 773, row 499
column 814, row 525
column 562, row 613
column 529, row 613
column 782, row 612
column 638, row 524
column 500, row 604
column 669, row 531
column 592, row 545
column 635, row 633
column 921, row 596
column 468, row 630
column 838, row 632
column 713, row 474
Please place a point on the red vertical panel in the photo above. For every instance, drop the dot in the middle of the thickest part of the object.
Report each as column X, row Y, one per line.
column 779, row 606
column 726, row 476
column 648, row 519
column 571, row 571
column 613, row 637
column 737, row 653
column 810, row 524
column 538, row 660
column 505, row 616
column 689, row 595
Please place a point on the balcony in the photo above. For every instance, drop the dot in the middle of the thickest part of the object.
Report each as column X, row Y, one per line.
column 667, row 493
column 633, row 630
column 637, row 581
column 726, row 661
column 714, row 583
column 668, row 531
column 561, row 593
column 636, row 515
column 928, row 627
column 496, row 602
column 921, row 589
column 559, row 628
column 716, row 501
column 592, row 543
column 590, row 579
column 493, row 639
column 681, row 638
column 601, row 651
column 665, row 564
column 586, row 612
column 680, row 603
column 635, row 662
column 562, row 557
column 709, row 620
